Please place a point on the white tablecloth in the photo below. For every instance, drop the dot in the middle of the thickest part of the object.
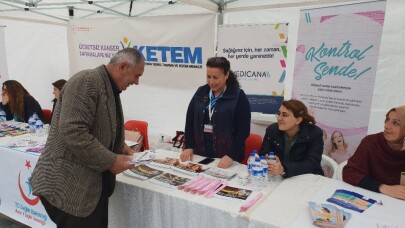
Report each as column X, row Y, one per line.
column 16, row 166
column 137, row 203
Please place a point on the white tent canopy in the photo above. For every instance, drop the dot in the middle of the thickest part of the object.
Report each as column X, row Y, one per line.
column 37, row 55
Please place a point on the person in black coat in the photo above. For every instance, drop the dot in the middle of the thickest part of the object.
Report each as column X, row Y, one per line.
column 296, row 141
column 57, row 87
column 17, row 103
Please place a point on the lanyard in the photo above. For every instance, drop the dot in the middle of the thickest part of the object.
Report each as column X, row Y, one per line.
column 212, row 103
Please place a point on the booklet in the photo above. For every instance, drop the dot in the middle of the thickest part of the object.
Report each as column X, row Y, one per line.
column 219, row 173
column 170, row 180
column 143, row 157
column 165, row 162
column 351, row 200
column 328, row 215
column 189, row 168
column 234, row 193
column 143, row 172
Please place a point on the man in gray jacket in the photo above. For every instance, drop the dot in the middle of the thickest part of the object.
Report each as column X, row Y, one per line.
column 75, row 175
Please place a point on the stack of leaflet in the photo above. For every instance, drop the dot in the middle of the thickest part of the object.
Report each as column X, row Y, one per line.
column 143, row 172
column 143, row 157
column 170, row 180
column 219, row 173
column 328, row 215
column 189, row 168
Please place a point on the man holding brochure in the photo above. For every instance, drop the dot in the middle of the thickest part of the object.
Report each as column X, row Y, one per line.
column 75, row 175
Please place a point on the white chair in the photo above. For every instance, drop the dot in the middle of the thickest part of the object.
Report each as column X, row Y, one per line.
column 329, row 166
column 339, row 172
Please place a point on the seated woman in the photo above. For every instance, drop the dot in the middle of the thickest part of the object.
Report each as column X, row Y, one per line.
column 218, row 117
column 57, row 87
column 380, row 158
column 295, row 140
column 18, row 104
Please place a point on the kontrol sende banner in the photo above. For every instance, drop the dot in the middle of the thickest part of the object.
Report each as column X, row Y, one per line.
column 335, row 68
column 258, row 56
column 3, row 59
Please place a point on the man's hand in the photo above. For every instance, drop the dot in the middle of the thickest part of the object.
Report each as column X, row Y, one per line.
column 128, row 150
column 121, row 164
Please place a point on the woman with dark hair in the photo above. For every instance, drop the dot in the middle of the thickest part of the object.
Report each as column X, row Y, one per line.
column 57, row 87
column 18, row 104
column 379, row 160
column 295, row 140
column 218, row 117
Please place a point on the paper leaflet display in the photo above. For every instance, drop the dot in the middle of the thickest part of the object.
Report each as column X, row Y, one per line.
column 351, row 200
column 234, row 193
column 165, row 162
column 170, row 180
column 143, row 157
column 189, row 168
column 143, row 172
column 327, row 215
column 219, row 173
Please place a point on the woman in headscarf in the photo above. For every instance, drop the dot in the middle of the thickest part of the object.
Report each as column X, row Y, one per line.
column 380, row 158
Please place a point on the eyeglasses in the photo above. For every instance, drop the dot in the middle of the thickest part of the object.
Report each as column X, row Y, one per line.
column 282, row 115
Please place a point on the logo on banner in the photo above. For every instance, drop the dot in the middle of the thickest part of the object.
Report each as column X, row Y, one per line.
column 169, row 56
column 25, row 187
column 76, row 28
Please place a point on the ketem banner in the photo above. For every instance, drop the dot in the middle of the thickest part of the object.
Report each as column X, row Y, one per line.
column 175, row 54
column 258, row 56
column 335, row 68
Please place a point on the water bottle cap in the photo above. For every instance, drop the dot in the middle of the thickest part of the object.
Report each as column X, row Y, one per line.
column 252, row 154
column 257, row 159
column 271, row 153
column 262, row 157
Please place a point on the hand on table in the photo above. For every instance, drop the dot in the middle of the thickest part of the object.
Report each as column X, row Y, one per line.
column 186, row 155
column 276, row 168
column 121, row 164
column 396, row 191
column 225, row 162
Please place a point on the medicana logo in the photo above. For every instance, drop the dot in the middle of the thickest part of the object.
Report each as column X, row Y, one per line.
column 26, row 187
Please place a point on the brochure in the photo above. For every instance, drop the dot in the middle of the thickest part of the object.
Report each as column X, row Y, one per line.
column 165, row 162
column 143, row 172
column 219, row 173
column 170, row 180
column 328, row 215
column 234, row 193
column 143, row 157
column 189, row 168
column 351, row 200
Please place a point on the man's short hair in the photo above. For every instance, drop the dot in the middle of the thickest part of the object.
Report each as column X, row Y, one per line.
column 129, row 55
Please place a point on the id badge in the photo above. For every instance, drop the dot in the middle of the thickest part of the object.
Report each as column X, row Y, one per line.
column 208, row 128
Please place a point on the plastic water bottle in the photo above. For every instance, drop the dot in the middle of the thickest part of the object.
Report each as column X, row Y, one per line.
column 39, row 126
column 35, row 116
column 31, row 124
column 272, row 160
column 265, row 169
column 257, row 173
column 3, row 116
column 250, row 162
